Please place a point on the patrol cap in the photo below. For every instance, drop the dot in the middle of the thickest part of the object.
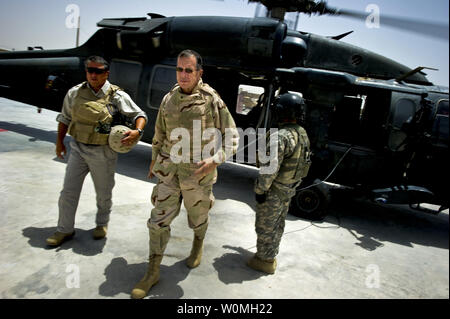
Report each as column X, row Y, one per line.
column 115, row 137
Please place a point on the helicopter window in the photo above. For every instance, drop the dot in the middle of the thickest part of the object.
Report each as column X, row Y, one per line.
column 248, row 97
column 126, row 74
column 345, row 120
column 440, row 125
column 404, row 110
column 162, row 80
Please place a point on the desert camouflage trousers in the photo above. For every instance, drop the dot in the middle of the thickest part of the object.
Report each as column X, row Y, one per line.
column 166, row 198
column 269, row 225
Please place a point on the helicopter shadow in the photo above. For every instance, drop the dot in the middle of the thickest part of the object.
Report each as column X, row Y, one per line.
column 121, row 277
column 373, row 224
column 133, row 164
column 82, row 243
column 33, row 133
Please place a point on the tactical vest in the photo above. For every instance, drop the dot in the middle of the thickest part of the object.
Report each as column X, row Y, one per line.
column 90, row 116
column 181, row 110
column 296, row 166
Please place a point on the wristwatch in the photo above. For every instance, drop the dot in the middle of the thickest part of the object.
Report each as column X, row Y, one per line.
column 140, row 131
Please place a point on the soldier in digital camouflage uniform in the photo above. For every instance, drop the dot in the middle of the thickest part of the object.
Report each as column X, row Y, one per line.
column 191, row 105
column 274, row 191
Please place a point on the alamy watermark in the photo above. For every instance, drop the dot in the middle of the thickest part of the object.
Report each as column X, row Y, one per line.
column 73, row 11
column 73, row 279
column 373, row 19
column 373, row 277
column 211, row 143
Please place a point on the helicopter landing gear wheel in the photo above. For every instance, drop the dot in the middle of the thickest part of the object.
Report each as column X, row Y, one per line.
column 310, row 202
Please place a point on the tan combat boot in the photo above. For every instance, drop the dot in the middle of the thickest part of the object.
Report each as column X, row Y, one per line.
column 100, row 232
column 150, row 279
column 196, row 253
column 267, row 266
column 58, row 238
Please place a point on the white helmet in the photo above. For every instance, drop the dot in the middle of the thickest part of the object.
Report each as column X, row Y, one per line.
column 116, row 135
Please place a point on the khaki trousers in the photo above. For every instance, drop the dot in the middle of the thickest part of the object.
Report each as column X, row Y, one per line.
column 100, row 161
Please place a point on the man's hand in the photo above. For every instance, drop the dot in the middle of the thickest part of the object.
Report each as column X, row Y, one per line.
column 60, row 149
column 130, row 137
column 260, row 198
column 205, row 167
column 150, row 174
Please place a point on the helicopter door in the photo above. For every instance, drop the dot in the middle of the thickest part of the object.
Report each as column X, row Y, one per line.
column 403, row 108
column 162, row 80
column 132, row 71
column 440, row 124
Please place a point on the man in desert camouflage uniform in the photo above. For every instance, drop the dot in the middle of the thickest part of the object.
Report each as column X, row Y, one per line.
column 274, row 191
column 191, row 107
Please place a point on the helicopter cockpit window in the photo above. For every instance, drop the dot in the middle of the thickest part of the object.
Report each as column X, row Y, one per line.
column 248, row 97
column 162, row 79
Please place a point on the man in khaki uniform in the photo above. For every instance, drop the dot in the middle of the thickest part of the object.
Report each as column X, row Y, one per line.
column 85, row 115
column 273, row 192
column 190, row 109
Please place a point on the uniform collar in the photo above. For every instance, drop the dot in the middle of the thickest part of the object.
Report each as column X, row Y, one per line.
column 284, row 124
column 195, row 90
column 103, row 90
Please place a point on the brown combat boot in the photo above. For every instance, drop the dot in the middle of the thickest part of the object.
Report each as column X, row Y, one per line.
column 150, row 279
column 100, row 232
column 58, row 238
column 267, row 266
column 196, row 253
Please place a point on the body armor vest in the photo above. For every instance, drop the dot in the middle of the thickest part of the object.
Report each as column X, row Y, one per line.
column 296, row 166
column 192, row 112
column 91, row 115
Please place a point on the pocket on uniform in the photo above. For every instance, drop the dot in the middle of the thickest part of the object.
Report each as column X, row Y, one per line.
column 82, row 132
column 109, row 152
column 154, row 194
column 164, row 169
column 208, row 179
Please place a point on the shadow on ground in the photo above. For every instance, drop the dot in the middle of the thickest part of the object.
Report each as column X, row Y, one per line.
column 122, row 277
column 232, row 267
column 373, row 223
column 82, row 243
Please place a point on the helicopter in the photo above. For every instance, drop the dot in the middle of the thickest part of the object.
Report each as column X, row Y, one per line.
column 377, row 128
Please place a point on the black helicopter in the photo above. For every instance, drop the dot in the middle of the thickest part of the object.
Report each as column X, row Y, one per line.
column 377, row 127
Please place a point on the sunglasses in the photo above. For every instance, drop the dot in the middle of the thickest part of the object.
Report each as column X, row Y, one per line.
column 187, row 70
column 96, row 70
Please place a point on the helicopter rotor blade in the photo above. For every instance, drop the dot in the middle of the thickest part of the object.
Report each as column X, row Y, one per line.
column 310, row 7
column 436, row 30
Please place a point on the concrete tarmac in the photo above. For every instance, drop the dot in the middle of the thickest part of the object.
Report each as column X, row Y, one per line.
column 360, row 250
